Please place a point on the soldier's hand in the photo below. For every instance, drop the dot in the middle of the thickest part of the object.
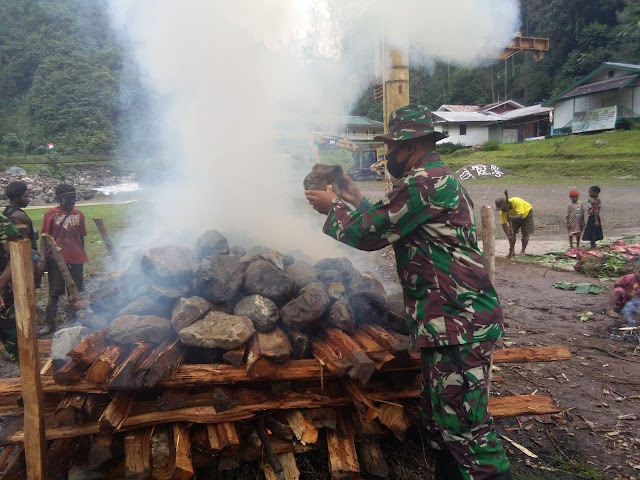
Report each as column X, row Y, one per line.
column 321, row 200
column 350, row 192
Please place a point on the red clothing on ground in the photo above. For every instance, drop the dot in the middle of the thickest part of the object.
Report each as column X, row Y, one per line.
column 69, row 238
column 628, row 286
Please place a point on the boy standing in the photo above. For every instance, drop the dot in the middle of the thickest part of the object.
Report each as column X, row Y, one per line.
column 67, row 227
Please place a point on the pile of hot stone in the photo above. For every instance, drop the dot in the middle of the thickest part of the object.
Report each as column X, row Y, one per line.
column 203, row 359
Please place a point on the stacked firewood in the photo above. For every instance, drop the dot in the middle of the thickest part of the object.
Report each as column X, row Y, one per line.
column 209, row 358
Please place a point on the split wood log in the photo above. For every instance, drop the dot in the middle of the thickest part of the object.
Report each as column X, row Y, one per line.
column 321, row 417
column 265, row 350
column 289, row 465
column 304, row 430
column 172, row 400
column 106, row 363
column 162, row 361
column 360, row 400
column 205, row 375
column 236, row 356
column 343, row 457
column 396, row 344
column 116, row 412
column 44, row 346
column 163, row 458
column 503, row 407
column 123, row 377
column 365, row 428
column 90, row 348
column 278, row 428
column 71, row 410
column 106, row 238
column 74, row 295
column 17, row 468
column 269, row 452
column 362, row 367
column 395, row 419
column 24, row 297
column 333, row 363
column 137, row 451
column 47, row 367
column 69, row 373
column 182, row 444
column 374, row 351
column 222, row 435
column 372, row 459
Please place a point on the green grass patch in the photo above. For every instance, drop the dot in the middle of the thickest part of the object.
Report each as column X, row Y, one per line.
column 613, row 156
column 116, row 218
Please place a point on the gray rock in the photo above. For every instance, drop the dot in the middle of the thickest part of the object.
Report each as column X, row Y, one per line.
column 248, row 258
column 368, row 282
column 330, row 276
column 64, row 340
column 108, row 301
column 396, row 316
column 164, row 293
column 211, row 242
column 169, row 264
column 14, row 170
column 369, row 307
column 260, row 310
column 82, row 472
column 187, row 311
column 218, row 330
column 288, row 260
column 304, row 310
column 130, row 329
column 336, row 291
column 237, row 251
column 90, row 320
column 341, row 316
column 321, row 176
column 264, row 278
column 395, row 303
column 146, row 306
column 342, row 264
column 274, row 258
column 302, row 273
column 218, row 278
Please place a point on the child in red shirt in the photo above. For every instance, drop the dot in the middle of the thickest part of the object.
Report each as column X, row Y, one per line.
column 626, row 288
column 67, row 226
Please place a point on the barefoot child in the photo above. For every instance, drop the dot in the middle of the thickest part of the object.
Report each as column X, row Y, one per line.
column 575, row 218
column 593, row 230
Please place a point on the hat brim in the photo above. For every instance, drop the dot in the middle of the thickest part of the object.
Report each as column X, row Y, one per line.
column 390, row 137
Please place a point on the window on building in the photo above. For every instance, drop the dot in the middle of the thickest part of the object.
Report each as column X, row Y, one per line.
column 611, row 73
column 463, row 129
column 445, row 130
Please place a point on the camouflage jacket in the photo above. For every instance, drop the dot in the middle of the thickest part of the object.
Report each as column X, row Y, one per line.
column 428, row 218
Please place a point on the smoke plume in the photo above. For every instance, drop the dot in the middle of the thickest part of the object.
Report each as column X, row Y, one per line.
column 242, row 83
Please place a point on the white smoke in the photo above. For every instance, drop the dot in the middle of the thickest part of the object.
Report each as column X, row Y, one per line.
column 239, row 78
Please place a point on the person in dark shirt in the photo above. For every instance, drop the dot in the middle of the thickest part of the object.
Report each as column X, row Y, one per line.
column 66, row 225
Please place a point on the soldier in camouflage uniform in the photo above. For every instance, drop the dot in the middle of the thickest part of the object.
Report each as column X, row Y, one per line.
column 8, row 333
column 452, row 308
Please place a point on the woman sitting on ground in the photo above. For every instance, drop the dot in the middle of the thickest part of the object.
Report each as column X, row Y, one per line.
column 625, row 289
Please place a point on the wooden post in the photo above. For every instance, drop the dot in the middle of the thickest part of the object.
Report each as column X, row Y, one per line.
column 74, row 296
column 489, row 241
column 24, row 296
column 106, row 238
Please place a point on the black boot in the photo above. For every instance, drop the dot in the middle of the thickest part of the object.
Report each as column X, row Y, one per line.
column 447, row 467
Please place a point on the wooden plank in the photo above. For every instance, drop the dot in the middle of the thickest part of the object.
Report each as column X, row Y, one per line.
column 163, row 360
column 362, row 367
column 394, row 418
column 182, row 444
column 24, row 295
column 74, row 295
column 343, row 457
column 531, row 354
column 116, row 412
column 360, row 400
column 124, row 376
column 137, row 454
column 106, row 238
column 374, row 351
column 106, row 363
column 90, row 348
column 44, row 346
column 304, row 430
column 289, row 465
column 372, row 459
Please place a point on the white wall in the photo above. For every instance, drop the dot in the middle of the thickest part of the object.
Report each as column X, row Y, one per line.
column 636, row 99
column 562, row 113
column 476, row 134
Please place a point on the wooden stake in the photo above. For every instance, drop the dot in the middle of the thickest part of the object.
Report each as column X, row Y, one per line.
column 182, row 443
column 24, row 296
column 489, row 241
column 106, row 238
column 74, row 296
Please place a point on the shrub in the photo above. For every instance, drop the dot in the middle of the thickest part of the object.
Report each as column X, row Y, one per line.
column 490, row 146
column 11, row 143
column 448, row 148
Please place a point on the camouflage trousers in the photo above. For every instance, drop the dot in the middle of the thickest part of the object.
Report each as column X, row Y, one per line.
column 8, row 332
column 454, row 400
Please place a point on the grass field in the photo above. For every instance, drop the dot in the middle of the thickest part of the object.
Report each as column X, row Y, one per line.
column 116, row 218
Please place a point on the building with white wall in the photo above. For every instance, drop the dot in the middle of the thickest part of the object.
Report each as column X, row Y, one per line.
column 465, row 128
column 606, row 99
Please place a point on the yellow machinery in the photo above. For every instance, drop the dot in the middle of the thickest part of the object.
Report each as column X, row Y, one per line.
column 365, row 154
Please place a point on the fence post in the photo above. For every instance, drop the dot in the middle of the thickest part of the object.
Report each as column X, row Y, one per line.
column 489, row 241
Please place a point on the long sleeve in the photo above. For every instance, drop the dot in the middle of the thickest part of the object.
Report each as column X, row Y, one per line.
column 411, row 203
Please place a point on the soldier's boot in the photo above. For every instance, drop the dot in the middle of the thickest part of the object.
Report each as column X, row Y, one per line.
column 447, row 467
column 50, row 313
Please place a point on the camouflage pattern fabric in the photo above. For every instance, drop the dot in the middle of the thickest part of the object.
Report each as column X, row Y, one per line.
column 409, row 122
column 454, row 398
column 8, row 232
column 428, row 218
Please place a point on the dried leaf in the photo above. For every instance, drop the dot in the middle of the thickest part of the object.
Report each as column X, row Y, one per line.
column 522, row 448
